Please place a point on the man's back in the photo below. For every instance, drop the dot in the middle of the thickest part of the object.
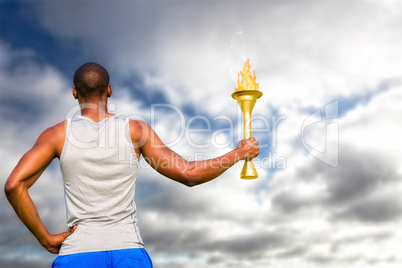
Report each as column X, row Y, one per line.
column 99, row 167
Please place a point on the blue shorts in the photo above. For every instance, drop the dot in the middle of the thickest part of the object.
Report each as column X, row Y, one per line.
column 123, row 258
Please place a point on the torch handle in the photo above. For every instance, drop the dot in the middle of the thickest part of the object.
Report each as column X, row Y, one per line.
column 247, row 124
column 248, row 170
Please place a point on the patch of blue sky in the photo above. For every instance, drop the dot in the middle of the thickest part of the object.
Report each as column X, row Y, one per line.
column 138, row 91
column 349, row 103
column 20, row 29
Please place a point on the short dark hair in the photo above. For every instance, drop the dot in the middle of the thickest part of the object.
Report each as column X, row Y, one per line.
column 91, row 80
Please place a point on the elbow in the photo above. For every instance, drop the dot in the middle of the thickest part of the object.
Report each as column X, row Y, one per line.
column 190, row 183
column 191, row 179
column 10, row 188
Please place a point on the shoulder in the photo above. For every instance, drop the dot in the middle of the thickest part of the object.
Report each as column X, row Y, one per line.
column 137, row 123
column 54, row 133
column 52, row 138
column 56, row 129
column 137, row 129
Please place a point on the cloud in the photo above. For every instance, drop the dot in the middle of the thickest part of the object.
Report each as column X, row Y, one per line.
column 347, row 208
column 299, row 49
column 380, row 209
column 306, row 54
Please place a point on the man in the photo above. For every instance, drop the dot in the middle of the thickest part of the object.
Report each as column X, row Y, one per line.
column 98, row 153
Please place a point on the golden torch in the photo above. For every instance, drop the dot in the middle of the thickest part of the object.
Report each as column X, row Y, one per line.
column 246, row 95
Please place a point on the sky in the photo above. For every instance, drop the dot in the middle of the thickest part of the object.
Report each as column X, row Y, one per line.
column 328, row 192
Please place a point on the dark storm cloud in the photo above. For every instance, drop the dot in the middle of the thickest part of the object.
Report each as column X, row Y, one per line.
column 174, row 238
column 18, row 246
column 10, row 225
column 245, row 246
column 364, row 187
column 21, row 110
column 363, row 190
column 168, row 198
column 379, row 209
column 359, row 175
column 291, row 202
column 24, row 263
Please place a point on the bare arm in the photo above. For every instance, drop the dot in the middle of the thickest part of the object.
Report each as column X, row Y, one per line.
column 191, row 173
column 24, row 175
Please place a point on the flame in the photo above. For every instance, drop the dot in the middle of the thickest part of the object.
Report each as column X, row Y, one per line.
column 247, row 80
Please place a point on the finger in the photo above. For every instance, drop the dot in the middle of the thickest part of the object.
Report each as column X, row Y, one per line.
column 72, row 229
column 69, row 232
column 253, row 140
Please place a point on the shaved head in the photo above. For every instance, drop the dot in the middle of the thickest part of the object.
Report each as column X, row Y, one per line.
column 91, row 80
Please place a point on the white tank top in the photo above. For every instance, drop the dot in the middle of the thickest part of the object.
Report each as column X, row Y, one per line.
column 99, row 167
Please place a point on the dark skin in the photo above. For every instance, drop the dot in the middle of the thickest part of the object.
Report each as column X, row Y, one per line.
column 146, row 143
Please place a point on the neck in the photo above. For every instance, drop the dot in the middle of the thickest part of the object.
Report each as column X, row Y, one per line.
column 95, row 109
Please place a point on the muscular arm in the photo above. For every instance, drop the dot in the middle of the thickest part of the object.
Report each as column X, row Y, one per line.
column 191, row 173
column 24, row 175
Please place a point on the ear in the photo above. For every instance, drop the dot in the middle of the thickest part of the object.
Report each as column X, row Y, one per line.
column 75, row 93
column 109, row 91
